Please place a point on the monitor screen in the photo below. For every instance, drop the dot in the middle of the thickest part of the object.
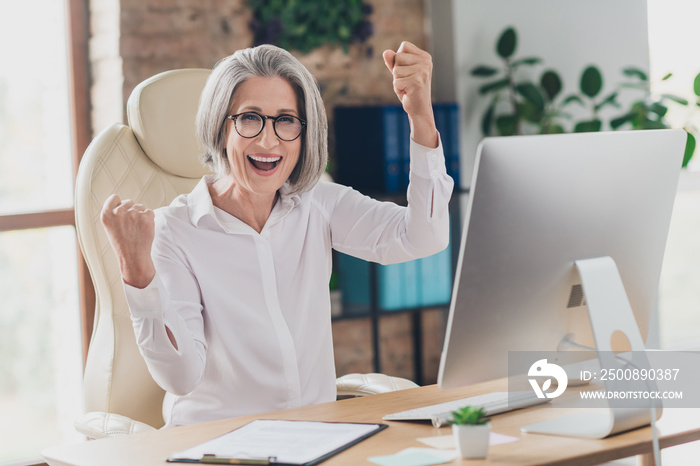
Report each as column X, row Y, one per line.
column 537, row 204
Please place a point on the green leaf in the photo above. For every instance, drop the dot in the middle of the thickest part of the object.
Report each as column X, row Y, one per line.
column 551, row 83
column 526, row 61
column 633, row 72
column 493, row 86
column 552, row 129
column 529, row 112
column 573, row 98
column 588, row 126
column 507, row 125
column 658, row 109
column 667, row 76
column 484, row 71
column 561, row 114
column 469, row 415
column 343, row 31
column 591, row 81
column 610, row 100
column 696, row 85
column 530, row 92
column 487, row 120
column 675, row 98
column 653, row 124
column 689, row 149
column 507, row 43
column 615, row 123
column 640, row 86
column 640, row 107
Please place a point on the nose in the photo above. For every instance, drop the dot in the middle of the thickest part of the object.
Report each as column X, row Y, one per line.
column 267, row 136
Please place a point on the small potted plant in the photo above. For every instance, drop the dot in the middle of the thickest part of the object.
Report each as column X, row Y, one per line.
column 471, row 431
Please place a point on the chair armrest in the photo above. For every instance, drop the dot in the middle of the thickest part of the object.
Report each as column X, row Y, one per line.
column 102, row 425
column 98, row 425
column 370, row 384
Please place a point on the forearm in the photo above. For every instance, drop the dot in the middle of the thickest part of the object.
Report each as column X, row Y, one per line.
column 177, row 366
column 137, row 272
column 424, row 131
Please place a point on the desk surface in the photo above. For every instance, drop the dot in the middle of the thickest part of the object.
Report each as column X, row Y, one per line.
column 152, row 448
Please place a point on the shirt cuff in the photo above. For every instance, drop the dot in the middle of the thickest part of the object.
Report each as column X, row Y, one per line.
column 427, row 162
column 144, row 302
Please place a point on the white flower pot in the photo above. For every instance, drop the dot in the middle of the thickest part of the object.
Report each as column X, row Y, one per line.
column 472, row 440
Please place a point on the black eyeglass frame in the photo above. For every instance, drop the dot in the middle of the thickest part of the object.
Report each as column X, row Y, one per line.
column 264, row 120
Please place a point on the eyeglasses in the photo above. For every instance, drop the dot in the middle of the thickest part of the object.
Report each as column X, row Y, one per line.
column 250, row 124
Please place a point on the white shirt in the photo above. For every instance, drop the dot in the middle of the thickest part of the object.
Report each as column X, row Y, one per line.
column 250, row 312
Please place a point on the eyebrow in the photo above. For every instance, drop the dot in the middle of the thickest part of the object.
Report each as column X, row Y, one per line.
column 282, row 111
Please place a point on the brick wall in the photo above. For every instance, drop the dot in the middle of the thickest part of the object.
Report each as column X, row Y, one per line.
column 132, row 40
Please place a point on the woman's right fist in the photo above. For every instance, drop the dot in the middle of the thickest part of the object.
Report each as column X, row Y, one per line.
column 130, row 228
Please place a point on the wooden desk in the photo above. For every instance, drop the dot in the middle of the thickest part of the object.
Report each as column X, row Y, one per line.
column 675, row 427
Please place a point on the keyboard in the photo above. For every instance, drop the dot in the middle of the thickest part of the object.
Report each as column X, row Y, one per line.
column 493, row 403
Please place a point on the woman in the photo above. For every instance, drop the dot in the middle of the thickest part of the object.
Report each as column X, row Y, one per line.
column 228, row 286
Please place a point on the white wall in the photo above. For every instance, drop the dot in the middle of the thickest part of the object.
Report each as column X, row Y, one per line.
column 568, row 35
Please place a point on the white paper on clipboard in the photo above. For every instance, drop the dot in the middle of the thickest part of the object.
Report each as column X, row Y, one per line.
column 289, row 442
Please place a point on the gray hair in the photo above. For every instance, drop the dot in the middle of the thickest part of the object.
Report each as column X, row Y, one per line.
column 217, row 96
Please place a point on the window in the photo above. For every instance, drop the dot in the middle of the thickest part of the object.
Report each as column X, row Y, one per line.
column 40, row 344
column 672, row 41
column 34, row 108
column 40, row 329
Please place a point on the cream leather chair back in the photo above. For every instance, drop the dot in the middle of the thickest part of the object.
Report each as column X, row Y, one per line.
column 151, row 160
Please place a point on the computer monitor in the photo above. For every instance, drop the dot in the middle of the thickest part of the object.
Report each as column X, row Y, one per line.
column 538, row 204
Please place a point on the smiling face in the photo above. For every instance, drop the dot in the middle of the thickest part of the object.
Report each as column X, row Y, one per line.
column 262, row 164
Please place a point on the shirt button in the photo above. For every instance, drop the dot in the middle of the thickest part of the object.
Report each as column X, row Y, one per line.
column 434, row 157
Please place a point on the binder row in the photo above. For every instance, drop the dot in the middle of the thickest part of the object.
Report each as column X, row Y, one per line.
column 418, row 283
column 372, row 153
column 372, row 146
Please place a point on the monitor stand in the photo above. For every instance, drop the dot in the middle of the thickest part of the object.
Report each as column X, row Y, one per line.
column 610, row 312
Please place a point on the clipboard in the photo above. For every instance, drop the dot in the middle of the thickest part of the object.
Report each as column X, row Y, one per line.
column 279, row 443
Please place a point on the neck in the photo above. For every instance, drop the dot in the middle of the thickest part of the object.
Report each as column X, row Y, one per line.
column 251, row 208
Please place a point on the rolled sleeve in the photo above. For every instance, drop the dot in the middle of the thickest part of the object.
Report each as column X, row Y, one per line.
column 144, row 303
column 148, row 317
column 426, row 162
column 177, row 370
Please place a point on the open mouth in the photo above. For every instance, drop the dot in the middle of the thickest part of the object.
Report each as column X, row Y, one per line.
column 264, row 163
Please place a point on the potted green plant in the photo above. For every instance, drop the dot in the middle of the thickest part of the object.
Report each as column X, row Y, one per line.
column 305, row 25
column 520, row 104
column 471, row 430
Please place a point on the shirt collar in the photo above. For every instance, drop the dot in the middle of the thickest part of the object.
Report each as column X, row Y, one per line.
column 286, row 203
column 200, row 205
column 289, row 200
column 199, row 202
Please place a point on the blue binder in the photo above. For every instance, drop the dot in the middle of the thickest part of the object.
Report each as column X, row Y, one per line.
column 447, row 122
column 372, row 146
column 418, row 283
column 367, row 148
column 435, row 274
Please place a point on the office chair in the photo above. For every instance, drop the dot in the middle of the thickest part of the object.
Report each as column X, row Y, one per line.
column 151, row 160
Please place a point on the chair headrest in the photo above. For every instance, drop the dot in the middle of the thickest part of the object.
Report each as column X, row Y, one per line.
column 161, row 112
